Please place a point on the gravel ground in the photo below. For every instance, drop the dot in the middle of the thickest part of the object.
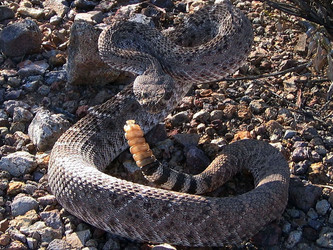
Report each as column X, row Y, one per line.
column 42, row 92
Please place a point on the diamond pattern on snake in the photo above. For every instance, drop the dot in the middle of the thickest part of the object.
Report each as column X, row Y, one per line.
column 167, row 68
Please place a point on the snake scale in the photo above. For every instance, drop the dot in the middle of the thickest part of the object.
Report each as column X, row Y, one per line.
column 167, row 66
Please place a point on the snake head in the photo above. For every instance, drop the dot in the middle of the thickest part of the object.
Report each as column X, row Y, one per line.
column 154, row 91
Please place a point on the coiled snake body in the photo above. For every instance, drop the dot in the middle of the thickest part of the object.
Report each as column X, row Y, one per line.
column 168, row 68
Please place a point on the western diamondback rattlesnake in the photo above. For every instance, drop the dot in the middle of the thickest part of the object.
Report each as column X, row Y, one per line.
column 150, row 214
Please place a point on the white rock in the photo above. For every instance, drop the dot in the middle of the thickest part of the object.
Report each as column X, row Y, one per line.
column 18, row 163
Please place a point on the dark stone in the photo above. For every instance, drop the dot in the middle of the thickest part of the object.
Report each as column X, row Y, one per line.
column 301, row 167
column 196, row 159
column 300, row 154
column 6, row 13
column 55, row 76
column 302, row 194
column 163, row 3
column 268, row 237
column 13, row 94
column 20, row 38
column 310, row 233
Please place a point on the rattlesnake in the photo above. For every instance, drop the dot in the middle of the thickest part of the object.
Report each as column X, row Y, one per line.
column 151, row 214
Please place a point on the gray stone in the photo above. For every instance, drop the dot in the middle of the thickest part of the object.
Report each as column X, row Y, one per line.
column 216, row 115
column 44, row 90
column 293, row 238
column 52, row 219
column 55, row 20
column 22, row 204
column 330, row 219
column 12, row 104
column 84, row 65
column 57, row 244
column 18, row 163
column 57, row 5
column 257, row 106
column 289, row 134
column 22, row 115
column 78, row 239
column 32, row 243
column 322, row 207
column 303, row 194
column 202, row 116
column 111, row 244
column 6, row 13
column 300, row 154
column 179, row 118
column 325, row 240
column 20, row 38
column 92, row 17
column 29, row 68
column 45, row 129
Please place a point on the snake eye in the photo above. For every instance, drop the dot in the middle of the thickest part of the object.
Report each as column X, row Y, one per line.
column 139, row 148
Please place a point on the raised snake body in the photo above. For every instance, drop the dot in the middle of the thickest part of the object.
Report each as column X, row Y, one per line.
column 150, row 214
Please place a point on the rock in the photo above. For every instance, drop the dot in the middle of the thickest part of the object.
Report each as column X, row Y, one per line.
column 293, row 238
column 29, row 68
column 230, row 111
column 35, row 13
column 15, row 187
column 4, row 239
column 300, row 154
column 78, row 239
column 52, row 219
column 45, row 129
column 32, row 243
column 84, row 65
column 22, row 115
column 187, row 139
column 13, row 94
column 202, row 116
column 111, row 244
column 289, row 134
column 53, row 77
column 22, row 204
column 328, row 159
column 257, row 106
column 92, row 17
column 17, row 245
column 4, row 224
column 10, row 106
column 325, row 240
column 301, row 44
column 26, row 220
column 302, row 194
column 84, row 4
column 6, row 13
column 20, row 38
column 18, row 163
column 58, row 244
column 55, row 20
column 196, row 159
column 58, row 6
column 330, row 220
column 216, row 115
column 322, row 207
column 315, row 224
column 47, row 200
column 179, row 118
